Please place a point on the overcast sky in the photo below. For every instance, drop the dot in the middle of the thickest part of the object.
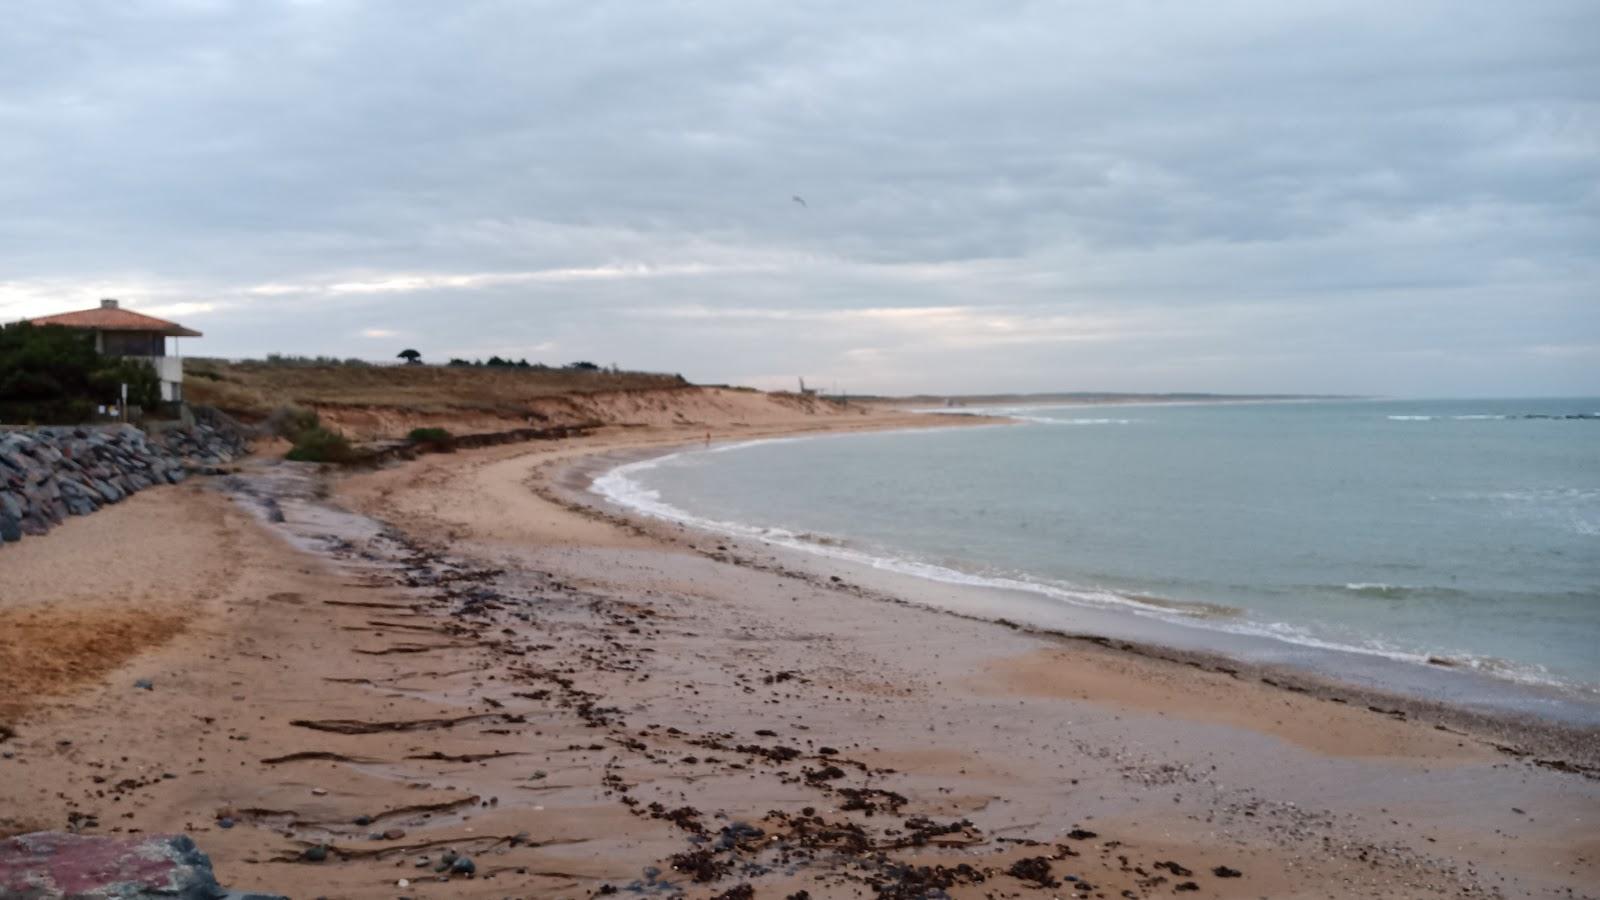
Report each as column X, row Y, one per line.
column 1388, row 197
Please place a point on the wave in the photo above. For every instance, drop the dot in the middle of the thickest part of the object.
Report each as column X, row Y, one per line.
column 619, row 487
column 1047, row 420
column 1481, row 417
column 1476, row 417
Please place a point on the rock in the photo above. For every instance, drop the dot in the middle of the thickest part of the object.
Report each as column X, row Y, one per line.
column 47, row 474
column 318, row 853
column 1225, row 872
column 463, row 865
column 145, row 684
column 54, row 864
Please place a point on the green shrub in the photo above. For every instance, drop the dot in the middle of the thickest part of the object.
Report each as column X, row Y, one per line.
column 320, row 444
column 290, row 422
column 428, row 436
column 144, row 385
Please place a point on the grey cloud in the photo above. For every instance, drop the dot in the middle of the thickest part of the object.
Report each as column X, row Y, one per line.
column 1397, row 192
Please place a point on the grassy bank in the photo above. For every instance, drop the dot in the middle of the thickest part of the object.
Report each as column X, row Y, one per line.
column 254, row 389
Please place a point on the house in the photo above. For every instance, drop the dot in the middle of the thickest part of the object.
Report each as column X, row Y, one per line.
column 123, row 332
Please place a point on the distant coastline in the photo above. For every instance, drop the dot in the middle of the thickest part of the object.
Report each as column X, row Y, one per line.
column 1090, row 398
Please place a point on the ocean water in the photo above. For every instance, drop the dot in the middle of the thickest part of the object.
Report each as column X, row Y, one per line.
column 1465, row 531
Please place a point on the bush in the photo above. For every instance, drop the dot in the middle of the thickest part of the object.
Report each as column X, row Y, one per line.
column 319, row 444
column 52, row 374
column 291, row 422
column 144, row 385
column 428, row 436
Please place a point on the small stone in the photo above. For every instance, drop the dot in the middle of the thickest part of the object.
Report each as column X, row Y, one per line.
column 145, row 684
column 394, row 834
column 315, row 854
column 318, row 792
column 224, row 822
column 463, row 865
column 1225, row 872
column 363, row 820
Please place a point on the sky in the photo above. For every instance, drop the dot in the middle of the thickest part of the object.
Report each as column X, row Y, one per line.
column 1398, row 198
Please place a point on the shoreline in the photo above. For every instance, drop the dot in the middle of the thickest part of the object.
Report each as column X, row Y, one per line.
column 375, row 668
column 1547, row 740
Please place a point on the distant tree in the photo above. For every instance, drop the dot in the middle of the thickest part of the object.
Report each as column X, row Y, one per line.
column 497, row 361
column 584, row 366
column 412, row 357
column 457, row 361
column 522, row 363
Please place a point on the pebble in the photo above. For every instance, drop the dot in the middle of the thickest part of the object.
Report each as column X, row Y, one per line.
column 315, row 854
column 145, row 684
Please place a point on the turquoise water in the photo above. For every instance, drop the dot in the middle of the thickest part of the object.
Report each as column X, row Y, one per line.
column 1458, row 530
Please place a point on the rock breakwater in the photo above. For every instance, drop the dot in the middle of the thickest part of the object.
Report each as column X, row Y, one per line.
column 50, row 473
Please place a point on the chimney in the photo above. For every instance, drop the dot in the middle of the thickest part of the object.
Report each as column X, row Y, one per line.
column 108, row 303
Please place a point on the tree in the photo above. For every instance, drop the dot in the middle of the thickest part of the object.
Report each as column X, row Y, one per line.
column 412, row 357
column 53, row 374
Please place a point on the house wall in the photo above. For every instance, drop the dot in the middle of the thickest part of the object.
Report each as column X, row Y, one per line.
column 170, row 370
column 151, row 347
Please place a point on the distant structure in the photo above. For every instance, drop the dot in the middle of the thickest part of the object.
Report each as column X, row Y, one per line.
column 805, row 391
column 123, row 332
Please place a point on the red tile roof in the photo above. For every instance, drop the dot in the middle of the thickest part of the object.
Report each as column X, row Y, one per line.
column 113, row 319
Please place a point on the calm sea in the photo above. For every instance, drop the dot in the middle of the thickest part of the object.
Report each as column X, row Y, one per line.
column 1463, row 530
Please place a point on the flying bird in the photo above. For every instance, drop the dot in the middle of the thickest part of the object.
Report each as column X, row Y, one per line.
column 800, row 200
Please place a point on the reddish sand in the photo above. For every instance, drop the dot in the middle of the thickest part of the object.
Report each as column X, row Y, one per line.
column 574, row 700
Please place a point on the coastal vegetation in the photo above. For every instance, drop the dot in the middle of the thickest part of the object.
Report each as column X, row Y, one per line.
column 321, row 444
column 253, row 389
column 52, row 375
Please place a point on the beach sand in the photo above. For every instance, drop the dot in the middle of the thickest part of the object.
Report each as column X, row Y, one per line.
column 465, row 653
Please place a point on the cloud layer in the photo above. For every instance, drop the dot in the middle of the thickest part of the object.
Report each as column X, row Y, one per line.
column 1362, row 197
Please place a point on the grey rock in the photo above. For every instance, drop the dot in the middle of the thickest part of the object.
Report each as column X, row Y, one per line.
column 95, row 867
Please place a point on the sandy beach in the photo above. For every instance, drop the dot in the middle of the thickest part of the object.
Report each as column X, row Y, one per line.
column 357, row 680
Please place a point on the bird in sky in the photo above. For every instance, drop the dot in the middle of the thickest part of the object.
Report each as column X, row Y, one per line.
column 800, row 200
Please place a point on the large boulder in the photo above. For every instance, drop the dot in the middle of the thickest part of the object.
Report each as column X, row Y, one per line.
column 55, row 864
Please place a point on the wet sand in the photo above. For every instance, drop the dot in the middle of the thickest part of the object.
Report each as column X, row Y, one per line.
column 455, row 655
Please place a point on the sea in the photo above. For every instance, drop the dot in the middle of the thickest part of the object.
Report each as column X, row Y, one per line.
column 1401, row 542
